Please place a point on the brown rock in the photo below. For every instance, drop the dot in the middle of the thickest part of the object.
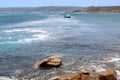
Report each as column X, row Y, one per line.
column 93, row 78
column 107, row 75
column 73, row 76
column 85, row 76
column 104, row 75
column 49, row 62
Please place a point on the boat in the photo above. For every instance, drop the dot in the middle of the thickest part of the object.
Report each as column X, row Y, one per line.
column 67, row 16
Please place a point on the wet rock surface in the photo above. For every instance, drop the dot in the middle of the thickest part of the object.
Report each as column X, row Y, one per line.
column 73, row 76
column 103, row 75
column 49, row 62
column 71, row 68
column 102, row 71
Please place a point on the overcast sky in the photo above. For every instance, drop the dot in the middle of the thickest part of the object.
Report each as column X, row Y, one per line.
column 39, row 3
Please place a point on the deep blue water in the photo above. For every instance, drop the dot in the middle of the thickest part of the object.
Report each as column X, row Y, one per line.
column 28, row 37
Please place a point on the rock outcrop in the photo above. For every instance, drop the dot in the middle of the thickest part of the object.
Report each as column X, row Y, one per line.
column 107, row 75
column 103, row 75
column 101, row 9
column 49, row 62
column 73, row 76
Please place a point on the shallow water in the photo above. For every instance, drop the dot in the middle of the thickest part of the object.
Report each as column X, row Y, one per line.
column 82, row 40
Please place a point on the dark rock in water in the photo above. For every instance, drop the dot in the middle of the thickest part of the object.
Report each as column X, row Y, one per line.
column 107, row 75
column 49, row 62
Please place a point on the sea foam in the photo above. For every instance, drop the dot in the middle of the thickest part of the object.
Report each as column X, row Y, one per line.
column 35, row 38
column 27, row 30
column 36, row 34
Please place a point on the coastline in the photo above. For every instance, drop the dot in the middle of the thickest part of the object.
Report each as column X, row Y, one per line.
column 70, row 9
column 67, row 69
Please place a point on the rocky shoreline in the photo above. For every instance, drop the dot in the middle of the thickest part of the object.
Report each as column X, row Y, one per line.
column 90, row 72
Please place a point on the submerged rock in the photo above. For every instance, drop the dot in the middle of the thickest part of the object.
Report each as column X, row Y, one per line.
column 49, row 62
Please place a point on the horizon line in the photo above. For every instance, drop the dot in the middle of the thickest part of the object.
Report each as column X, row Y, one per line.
column 57, row 6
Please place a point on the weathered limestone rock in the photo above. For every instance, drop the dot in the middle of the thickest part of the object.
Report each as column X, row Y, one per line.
column 49, row 62
column 103, row 75
column 85, row 76
column 73, row 76
column 107, row 75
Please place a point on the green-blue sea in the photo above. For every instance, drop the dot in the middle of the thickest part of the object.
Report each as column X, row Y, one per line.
column 80, row 40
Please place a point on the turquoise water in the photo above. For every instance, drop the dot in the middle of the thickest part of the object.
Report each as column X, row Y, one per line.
column 28, row 37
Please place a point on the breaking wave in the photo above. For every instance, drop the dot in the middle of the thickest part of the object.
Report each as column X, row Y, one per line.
column 26, row 30
column 35, row 34
column 37, row 37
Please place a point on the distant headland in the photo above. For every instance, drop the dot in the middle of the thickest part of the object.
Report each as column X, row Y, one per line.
column 93, row 9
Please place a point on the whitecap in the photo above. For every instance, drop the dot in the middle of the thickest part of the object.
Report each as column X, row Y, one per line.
column 40, row 36
column 111, row 60
column 34, row 38
column 26, row 30
column 37, row 37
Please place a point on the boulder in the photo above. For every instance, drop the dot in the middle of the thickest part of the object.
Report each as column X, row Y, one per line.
column 107, row 75
column 103, row 75
column 49, row 62
column 72, row 76
column 85, row 76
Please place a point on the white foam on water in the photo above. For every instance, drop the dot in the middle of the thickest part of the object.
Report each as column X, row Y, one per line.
column 37, row 35
column 40, row 36
column 26, row 30
column 41, row 33
column 118, row 74
column 6, row 78
column 98, row 68
column 112, row 60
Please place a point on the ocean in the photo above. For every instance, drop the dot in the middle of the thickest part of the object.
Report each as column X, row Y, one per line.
column 83, row 39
